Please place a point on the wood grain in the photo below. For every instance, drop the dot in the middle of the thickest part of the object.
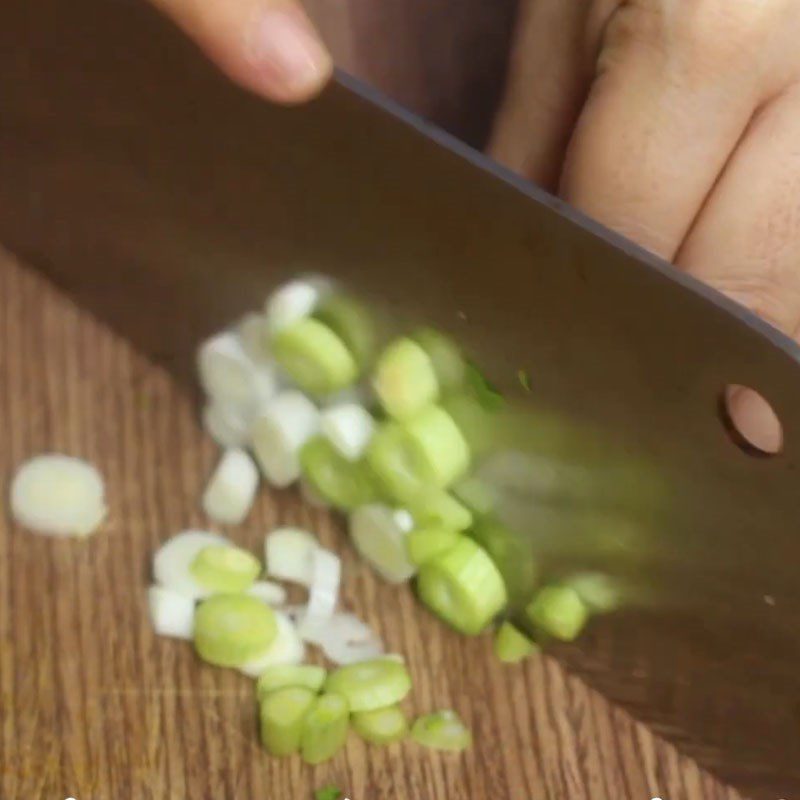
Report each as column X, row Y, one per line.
column 94, row 706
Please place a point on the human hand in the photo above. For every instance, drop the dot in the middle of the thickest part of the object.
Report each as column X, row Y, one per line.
column 267, row 46
column 676, row 123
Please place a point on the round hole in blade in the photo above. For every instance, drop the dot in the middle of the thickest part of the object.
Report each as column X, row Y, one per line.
column 750, row 421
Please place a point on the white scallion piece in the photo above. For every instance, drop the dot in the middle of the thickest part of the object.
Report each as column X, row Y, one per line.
column 326, row 577
column 292, row 302
column 345, row 639
column 225, row 425
column 171, row 613
column 287, row 648
column 380, row 537
column 58, row 495
column 229, row 376
column 349, row 428
column 253, row 334
column 278, row 434
column 289, row 555
column 231, row 491
column 273, row 594
column 172, row 563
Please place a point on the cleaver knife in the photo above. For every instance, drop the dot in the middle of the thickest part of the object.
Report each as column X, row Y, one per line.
column 169, row 202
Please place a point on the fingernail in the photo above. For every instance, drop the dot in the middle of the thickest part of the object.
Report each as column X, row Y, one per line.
column 286, row 51
column 755, row 420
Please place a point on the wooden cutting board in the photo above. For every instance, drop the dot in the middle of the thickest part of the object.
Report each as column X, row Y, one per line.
column 94, row 706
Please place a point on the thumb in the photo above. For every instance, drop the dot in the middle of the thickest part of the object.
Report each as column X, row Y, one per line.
column 267, row 46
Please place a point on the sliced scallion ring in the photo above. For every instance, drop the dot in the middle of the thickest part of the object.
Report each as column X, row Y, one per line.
column 172, row 563
column 559, row 612
column 283, row 676
column 231, row 630
column 314, row 357
column 352, row 323
column 286, row 648
column 441, row 450
column 382, row 726
column 342, row 483
column 511, row 645
column 425, row 544
column 225, row 569
column 443, row 730
column 282, row 715
column 172, row 614
column 434, row 506
column 405, row 379
column 463, row 587
column 349, row 428
column 232, row 488
column 381, row 541
column 58, row 495
column 445, row 355
column 288, row 553
column 370, row 685
column 324, row 728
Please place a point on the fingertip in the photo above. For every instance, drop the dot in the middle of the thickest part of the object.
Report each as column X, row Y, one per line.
column 284, row 57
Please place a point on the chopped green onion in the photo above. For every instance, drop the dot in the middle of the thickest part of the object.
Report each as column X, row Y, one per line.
column 282, row 676
column 282, row 715
column 476, row 423
column 559, row 612
column 324, row 728
column 382, row 726
column 58, row 495
column 172, row 563
column 342, row 483
column 351, row 322
column 232, row 629
column 434, row 506
column 171, row 613
column 601, row 593
column 427, row 543
column 232, row 488
column 441, row 449
column 370, row 685
column 475, row 494
column 226, row 569
column 349, row 428
column 443, row 730
column 289, row 555
column 445, row 355
column 405, row 379
column 314, row 357
column 286, row 648
column 380, row 538
column 463, row 587
column 392, row 458
column 293, row 302
column 328, row 793
column 511, row 645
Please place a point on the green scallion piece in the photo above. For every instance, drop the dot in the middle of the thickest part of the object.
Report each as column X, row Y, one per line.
column 441, row 449
column 282, row 716
column 324, row 728
column 316, row 359
column 559, row 612
column 329, row 793
column 463, row 587
column 232, row 629
column 443, row 730
column 445, row 355
column 405, row 379
column 382, row 726
column 392, row 458
column 434, row 506
column 511, row 645
column 342, row 483
column 283, row 676
column 425, row 544
column 225, row 569
column 352, row 323
column 370, row 685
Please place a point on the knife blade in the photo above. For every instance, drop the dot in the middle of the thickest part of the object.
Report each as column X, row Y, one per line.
column 169, row 202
